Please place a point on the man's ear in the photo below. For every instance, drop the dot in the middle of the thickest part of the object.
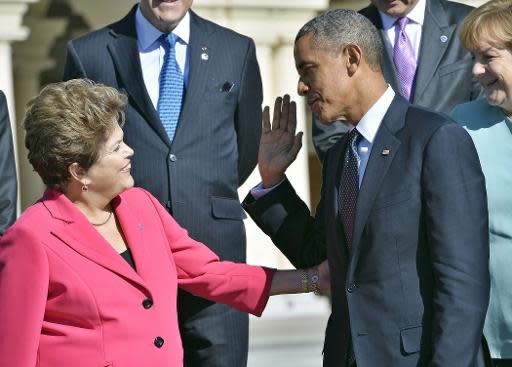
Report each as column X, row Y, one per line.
column 77, row 173
column 354, row 55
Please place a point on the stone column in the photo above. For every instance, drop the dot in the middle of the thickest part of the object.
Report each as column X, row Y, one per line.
column 11, row 29
column 31, row 58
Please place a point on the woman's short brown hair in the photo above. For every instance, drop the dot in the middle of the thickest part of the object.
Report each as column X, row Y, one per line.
column 70, row 122
column 491, row 23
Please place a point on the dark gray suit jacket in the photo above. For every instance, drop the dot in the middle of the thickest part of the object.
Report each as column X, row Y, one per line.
column 415, row 286
column 8, row 183
column 443, row 77
column 216, row 143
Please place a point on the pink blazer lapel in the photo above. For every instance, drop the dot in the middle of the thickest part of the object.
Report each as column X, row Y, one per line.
column 133, row 230
column 77, row 233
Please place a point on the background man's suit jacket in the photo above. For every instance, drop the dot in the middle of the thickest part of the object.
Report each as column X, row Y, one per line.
column 443, row 77
column 8, row 183
column 415, row 286
column 69, row 299
column 215, row 146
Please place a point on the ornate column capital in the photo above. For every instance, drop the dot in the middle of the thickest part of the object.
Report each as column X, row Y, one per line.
column 11, row 17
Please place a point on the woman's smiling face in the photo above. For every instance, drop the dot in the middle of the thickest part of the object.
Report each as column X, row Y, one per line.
column 492, row 68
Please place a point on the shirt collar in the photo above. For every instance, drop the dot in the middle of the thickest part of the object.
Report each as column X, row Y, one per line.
column 372, row 119
column 417, row 15
column 147, row 34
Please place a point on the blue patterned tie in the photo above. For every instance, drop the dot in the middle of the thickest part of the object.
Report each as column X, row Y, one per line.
column 171, row 87
column 350, row 186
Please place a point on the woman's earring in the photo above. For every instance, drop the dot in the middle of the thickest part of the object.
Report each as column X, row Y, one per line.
column 85, row 188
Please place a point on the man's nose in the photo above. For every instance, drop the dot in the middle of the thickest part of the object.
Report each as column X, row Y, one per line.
column 302, row 88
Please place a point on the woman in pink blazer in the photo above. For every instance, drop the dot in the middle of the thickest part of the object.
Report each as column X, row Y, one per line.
column 89, row 274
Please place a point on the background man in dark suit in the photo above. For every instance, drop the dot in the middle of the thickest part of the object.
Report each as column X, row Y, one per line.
column 441, row 66
column 8, row 183
column 402, row 218
column 195, row 170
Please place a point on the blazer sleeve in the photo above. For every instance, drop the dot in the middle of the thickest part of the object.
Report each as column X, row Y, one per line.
column 286, row 219
column 457, row 229
column 201, row 272
column 8, row 183
column 248, row 115
column 24, row 275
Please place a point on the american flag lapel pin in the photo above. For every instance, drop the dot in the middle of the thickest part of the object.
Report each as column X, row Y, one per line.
column 385, row 152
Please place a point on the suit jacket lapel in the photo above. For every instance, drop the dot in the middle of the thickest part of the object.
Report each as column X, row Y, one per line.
column 432, row 49
column 332, row 184
column 133, row 230
column 125, row 55
column 198, row 68
column 81, row 236
column 376, row 169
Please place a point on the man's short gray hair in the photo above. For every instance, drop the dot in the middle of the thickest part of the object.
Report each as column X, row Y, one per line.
column 335, row 29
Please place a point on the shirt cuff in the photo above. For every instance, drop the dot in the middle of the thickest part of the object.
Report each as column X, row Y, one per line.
column 259, row 191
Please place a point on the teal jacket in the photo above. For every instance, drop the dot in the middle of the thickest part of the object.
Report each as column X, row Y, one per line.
column 491, row 131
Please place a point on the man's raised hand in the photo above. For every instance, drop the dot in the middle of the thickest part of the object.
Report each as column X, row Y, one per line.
column 279, row 145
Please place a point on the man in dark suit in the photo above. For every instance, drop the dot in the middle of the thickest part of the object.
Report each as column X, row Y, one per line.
column 402, row 218
column 442, row 67
column 8, row 183
column 194, row 171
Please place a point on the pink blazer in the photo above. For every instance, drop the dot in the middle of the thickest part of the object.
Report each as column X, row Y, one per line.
column 68, row 299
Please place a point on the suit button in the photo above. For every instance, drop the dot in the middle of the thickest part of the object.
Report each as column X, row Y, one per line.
column 352, row 287
column 147, row 303
column 173, row 158
column 159, row 341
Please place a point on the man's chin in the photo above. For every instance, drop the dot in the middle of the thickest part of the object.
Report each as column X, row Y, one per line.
column 327, row 120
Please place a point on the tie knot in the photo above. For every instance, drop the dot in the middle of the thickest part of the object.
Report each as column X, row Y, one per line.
column 169, row 39
column 402, row 22
column 353, row 136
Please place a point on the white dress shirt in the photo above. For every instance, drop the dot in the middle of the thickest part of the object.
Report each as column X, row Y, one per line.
column 413, row 29
column 367, row 127
column 151, row 52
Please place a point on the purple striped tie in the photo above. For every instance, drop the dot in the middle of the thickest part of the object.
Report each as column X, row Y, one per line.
column 403, row 56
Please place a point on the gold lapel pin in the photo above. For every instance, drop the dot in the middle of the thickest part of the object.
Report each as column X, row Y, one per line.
column 385, row 152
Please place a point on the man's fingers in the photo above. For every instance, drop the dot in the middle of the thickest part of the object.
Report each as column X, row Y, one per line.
column 277, row 113
column 284, row 112
column 291, row 123
column 297, row 144
column 266, row 120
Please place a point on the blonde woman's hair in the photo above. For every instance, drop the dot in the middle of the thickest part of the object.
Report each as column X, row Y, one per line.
column 491, row 23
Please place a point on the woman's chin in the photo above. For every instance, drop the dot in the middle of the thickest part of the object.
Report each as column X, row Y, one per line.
column 128, row 184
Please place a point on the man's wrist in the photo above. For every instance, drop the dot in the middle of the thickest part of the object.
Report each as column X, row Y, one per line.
column 269, row 182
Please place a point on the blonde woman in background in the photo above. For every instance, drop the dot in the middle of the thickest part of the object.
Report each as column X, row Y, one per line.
column 487, row 34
